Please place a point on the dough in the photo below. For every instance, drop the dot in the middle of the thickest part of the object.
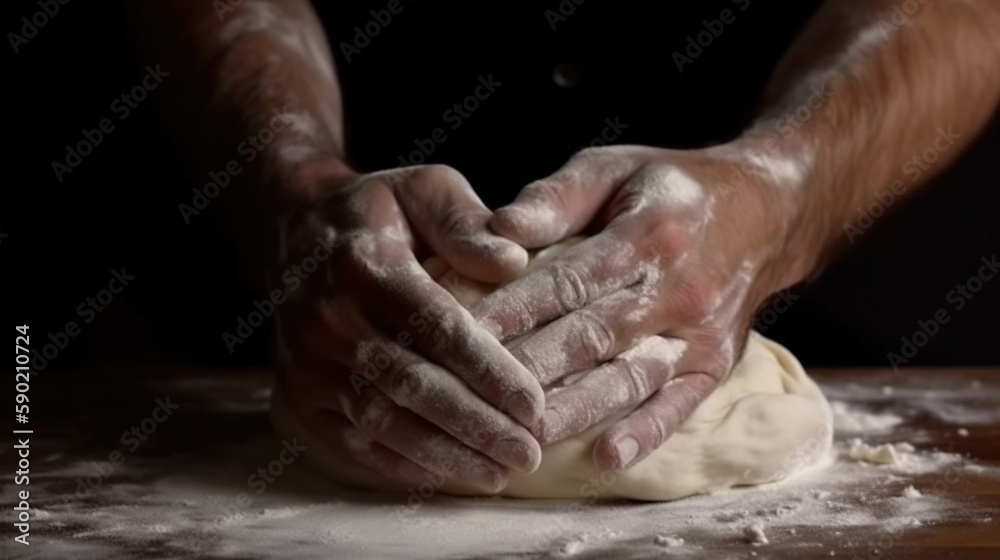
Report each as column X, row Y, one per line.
column 766, row 422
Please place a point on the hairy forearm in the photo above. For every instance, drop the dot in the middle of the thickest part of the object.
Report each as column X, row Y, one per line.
column 254, row 84
column 869, row 103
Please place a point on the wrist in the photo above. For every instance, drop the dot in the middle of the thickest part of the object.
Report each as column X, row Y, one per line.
column 763, row 193
column 309, row 184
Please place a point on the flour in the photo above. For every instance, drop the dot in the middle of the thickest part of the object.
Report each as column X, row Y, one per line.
column 188, row 507
column 783, row 170
column 963, row 406
column 754, row 534
column 668, row 189
column 667, row 541
column 852, row 419
column 884, row 454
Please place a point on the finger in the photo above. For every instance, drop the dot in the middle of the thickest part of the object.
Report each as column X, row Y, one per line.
column 618, row 385
column 562, row 204
column 444, row 332
column 382, row 435
column 349, row 444
column 417, row 439
column 428, row 390
column 443, row 209
column 637, row 435
column 307, row 395
column 437, row 395
column 583, row 274
column 590, row 336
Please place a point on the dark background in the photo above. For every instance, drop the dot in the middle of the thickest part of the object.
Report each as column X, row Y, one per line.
column 119, row 207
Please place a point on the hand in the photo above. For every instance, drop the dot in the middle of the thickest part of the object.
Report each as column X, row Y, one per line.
column 383, row 364
column 656, row 305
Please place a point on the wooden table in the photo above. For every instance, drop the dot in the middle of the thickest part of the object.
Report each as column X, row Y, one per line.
column 221, row 426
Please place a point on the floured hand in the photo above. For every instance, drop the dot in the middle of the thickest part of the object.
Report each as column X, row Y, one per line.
column 383, row 363
column 677, row 252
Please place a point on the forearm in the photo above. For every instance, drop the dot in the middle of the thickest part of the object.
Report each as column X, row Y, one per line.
column 857, row 98
column 254, row 85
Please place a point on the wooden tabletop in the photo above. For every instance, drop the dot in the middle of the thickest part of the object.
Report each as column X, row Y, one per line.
column 80, row 418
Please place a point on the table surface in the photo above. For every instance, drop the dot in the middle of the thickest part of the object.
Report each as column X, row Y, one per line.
column 176, row 494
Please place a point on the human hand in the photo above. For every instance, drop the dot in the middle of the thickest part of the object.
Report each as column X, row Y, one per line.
column 382, row 363
column 656, row 305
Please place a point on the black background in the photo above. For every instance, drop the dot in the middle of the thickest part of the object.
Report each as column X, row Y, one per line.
column 119, row 207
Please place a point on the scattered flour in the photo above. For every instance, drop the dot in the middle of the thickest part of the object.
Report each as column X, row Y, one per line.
column 848, row 418
column 884, row 454
column 968, row 405
column 668, row 541
column 754, row 534
column 183, row 501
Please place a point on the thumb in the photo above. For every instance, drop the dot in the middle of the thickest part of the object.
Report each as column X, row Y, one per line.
column 446, row 213
column 563, row 204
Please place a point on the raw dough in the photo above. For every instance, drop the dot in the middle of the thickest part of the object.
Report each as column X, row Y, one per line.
column 765, row 423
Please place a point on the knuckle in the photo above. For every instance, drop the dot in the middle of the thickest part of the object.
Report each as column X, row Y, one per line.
column 669, row 239
column 531, row 362
column 376, row 416
column 597, row 339
column 571, row 289
column 637, row 381
column 460, row 223
column 407, row 386
column 589, row 154
column 433, row 175
column 574, row 420
column 511, row 317
column 445, row 330
column 547, row 189
column 358, row 254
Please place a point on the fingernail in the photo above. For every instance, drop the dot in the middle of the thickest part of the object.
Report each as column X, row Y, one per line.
column 523, row 407
column 552, row 424
column 628, row 448
column 518, row 455
column 488, row 478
